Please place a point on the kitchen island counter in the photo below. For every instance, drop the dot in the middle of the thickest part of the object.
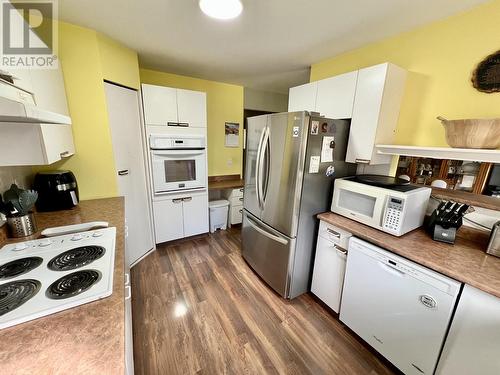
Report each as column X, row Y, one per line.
column 465, row 261
column 88, row 339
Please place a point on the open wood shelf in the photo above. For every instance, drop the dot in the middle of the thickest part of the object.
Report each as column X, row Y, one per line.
column 469, row 154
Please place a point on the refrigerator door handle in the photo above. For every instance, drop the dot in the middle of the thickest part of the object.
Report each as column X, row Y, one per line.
column 265, row 180
column 266, row 233
column 257, row 168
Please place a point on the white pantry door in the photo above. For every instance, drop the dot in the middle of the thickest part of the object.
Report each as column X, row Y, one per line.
column 125, row 124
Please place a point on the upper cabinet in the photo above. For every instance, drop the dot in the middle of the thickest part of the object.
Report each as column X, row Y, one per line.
column 34, row 144
column 160, row 105
column 371, row 97
column 335, row 97
column 303, row 98
column 166, row 106
column 379, row 92
column 49, row 91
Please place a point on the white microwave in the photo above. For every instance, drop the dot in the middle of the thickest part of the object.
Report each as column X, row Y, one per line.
column 395, row 210
column 178, row 163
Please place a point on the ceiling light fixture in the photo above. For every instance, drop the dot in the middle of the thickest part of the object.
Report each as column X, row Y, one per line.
column 221, row 9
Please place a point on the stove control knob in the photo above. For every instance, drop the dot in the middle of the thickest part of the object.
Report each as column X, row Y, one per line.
column 45, row 242
column 97, row 234
column 21, row 246
column 76, row 237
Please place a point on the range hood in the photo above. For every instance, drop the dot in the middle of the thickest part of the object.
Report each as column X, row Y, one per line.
column 17, row 105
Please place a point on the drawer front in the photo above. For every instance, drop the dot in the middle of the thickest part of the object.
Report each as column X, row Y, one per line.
column 236, row 214
column 236, row 193
column 336, row 235
column 236, row 201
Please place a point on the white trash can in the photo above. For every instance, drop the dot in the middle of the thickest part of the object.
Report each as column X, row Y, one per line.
column 218, row 214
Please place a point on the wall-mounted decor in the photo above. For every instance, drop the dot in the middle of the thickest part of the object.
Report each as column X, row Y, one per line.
column 486, row 77
column 232, row 131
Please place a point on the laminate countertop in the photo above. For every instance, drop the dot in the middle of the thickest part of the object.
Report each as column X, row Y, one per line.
column 465, row 261
column 88, row 339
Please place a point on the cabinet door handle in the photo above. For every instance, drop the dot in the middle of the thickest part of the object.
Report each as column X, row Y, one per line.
column 128, row 293
column 241, row 199
column 363, row 161
column 331, row 231
column 340, row 249
column 240, row 211
column 123, row 172
column 65, row 154
column 178, row 200
column 183, row 124
column 172, row 123
column 242, row 189
column 188, row 199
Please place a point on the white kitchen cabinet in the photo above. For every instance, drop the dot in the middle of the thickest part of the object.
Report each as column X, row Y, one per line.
column 303, row 98
column 329, row 265
column 335, row 97
column 34, row 144
column 192, row 108
column 168, row 218
column 180, row 216
column 195, row 214
column 379, row 92
column 167, row 106
column 129, row 339
column 235, row 198
column 160, row 104
column 473, row 343
column 125, row 124
column 48, row 88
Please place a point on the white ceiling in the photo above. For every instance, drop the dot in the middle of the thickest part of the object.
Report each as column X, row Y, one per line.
column 269, row 47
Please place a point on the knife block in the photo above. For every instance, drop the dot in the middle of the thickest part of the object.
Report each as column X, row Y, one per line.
column 441, row 232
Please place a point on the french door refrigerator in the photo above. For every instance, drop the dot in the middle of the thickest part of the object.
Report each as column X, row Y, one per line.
column 292, row 160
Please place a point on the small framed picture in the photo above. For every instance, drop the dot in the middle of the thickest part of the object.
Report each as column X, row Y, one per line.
column 232, row 132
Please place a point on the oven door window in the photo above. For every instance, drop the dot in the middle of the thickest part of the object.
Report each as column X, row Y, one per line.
column 357, row 202
column 180, row 170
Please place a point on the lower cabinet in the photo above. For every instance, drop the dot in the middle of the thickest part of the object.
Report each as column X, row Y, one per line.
column 329, row 265
column 235, row 198
column 473, row 343
column 180, row 216
column 129, row 342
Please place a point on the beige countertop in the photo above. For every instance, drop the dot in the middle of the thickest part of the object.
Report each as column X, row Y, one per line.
column 465, row 261
column 88, row 339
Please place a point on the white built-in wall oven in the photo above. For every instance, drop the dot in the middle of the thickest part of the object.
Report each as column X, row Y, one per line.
column 178, row 162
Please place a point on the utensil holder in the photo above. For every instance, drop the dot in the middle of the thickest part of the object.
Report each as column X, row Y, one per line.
column 22, row 226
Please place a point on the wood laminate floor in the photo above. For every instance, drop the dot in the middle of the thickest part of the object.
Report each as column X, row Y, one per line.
column 198, row 308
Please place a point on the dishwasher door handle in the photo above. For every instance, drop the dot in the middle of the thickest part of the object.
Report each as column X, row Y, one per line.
column 392, row 269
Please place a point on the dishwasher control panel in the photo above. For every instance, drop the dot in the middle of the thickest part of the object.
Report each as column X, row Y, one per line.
column 393, row 214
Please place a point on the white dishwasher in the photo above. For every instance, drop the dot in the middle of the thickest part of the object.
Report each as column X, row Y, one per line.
column 401, row 309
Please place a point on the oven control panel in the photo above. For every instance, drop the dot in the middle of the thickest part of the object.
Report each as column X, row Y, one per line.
column 393, row 213
column 162, row 142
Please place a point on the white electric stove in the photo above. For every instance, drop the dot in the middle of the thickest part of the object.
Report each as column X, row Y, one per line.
column 44, row 276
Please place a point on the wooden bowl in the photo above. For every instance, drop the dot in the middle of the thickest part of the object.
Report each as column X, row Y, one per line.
column 472, row 133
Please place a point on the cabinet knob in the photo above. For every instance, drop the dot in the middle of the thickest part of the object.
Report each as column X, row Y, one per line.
column 123, row 172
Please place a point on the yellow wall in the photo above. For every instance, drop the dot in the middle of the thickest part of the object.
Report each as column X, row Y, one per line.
column 224, row 104
column 119, row 64
column 441, row 57
column 88, row 58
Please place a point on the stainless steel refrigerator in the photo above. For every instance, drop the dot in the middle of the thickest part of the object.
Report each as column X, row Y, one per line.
column 292, row 160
